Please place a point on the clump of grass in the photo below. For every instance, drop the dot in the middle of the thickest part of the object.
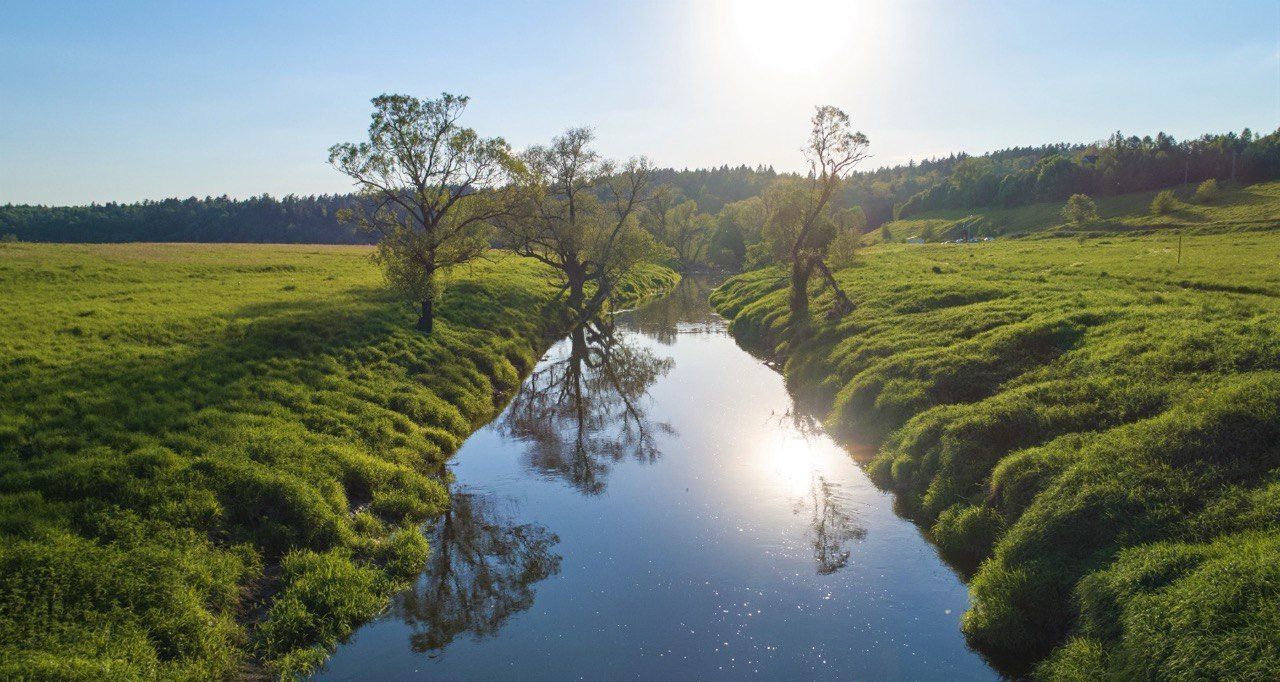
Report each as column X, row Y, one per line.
column 217, row 471
column 1060, row 430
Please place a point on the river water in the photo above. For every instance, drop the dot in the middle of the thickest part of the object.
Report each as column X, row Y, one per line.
column 651, row 506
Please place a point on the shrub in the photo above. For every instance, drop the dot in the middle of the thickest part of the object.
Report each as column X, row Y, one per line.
column 9, row 238
column 1164, row 203
column 1080, row 210
column 1208, row 192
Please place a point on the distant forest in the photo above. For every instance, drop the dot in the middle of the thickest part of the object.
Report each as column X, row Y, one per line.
column 1008, row 177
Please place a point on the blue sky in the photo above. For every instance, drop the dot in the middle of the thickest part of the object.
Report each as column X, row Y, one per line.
column 125, row 101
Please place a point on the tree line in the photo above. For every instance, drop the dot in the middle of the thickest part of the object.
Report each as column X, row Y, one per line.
column 1121, row 165
column 714, row 217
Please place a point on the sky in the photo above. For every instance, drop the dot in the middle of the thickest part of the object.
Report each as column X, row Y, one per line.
column 124, row 101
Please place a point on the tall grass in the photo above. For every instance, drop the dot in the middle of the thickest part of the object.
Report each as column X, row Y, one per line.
column 215, row 459
column 1090, row 428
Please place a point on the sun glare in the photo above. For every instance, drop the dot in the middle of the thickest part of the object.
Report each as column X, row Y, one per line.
column 788, row 36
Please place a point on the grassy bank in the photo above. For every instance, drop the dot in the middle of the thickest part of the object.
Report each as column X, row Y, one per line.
column 1090, row 427
column 214, row 460
column 1239, row 208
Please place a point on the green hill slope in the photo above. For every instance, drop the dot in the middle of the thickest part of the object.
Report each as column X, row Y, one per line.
column 1251, row 207
column 1090, row 426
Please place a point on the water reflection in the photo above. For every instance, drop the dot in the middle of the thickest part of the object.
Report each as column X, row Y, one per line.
column 686, row 309
column 586, row 408
column 482, row 570
column 831, row 526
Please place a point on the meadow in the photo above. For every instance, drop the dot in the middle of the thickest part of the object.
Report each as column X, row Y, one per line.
column 215, row 459
column 1239, row 208
column 1088, row 428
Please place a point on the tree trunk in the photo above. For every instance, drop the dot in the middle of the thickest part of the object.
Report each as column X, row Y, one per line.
column 843, row 306
column 801, row 269
column 426, row 319
column 577, row 293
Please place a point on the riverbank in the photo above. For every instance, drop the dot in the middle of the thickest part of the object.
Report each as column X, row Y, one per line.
column 214, row 459
column 651, row 504
column 1091, row 427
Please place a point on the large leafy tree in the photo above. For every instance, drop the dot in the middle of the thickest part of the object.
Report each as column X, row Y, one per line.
column 431, row 189
column 576, row 212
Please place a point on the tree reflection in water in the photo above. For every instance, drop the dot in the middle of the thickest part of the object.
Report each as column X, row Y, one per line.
column 831, row 527
column 482, row 570
column 586, row 410
column 687, row 309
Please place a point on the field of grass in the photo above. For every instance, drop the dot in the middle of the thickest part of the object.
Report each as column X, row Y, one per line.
column 1251, row 207
column 215, row 459
column 1088, row 428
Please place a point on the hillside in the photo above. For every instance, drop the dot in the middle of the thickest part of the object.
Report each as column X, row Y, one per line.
column 215, row 460
column 1088, row 426
column 1248, row 207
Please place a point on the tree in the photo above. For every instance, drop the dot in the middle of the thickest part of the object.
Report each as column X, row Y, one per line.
column 680, row 226
column 576, row 212
column 1080, row 210
column 431, row 190
column 801, row 221
column 737, row 226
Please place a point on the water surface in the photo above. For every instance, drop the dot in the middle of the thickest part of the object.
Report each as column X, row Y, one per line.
column 650, row 506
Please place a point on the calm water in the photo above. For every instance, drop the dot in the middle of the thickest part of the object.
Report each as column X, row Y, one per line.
column 650, row 506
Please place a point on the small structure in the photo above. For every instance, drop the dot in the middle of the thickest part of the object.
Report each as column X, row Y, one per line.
column 915, row 239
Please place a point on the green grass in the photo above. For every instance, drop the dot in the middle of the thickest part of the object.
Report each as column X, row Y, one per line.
column 214, row 459
column 1251, row 207
column 1088, row 428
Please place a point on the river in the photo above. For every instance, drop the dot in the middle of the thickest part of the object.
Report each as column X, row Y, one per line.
column 651, row 506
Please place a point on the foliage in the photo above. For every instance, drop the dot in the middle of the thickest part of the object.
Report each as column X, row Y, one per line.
column 1208, row 192
column 192, row 435
column 1050, row 173
column 958, row 182
column 575, row 212
column 431, row 190
column 1080, row 210
column 1091, row 425
column 1164, row 203
column 802, row 219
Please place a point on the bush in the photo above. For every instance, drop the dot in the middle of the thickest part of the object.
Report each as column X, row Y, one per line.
column 1208, row 192
column 1080, row 210
column 1164, row 203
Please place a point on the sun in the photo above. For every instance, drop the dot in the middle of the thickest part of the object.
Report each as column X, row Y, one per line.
column 789, row 36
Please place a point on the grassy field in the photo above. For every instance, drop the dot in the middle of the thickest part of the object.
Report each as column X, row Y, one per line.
column 214, row 459
column 1251, row 207
column 1088, row 427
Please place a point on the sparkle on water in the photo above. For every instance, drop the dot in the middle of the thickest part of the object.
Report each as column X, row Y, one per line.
column 652, row 506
